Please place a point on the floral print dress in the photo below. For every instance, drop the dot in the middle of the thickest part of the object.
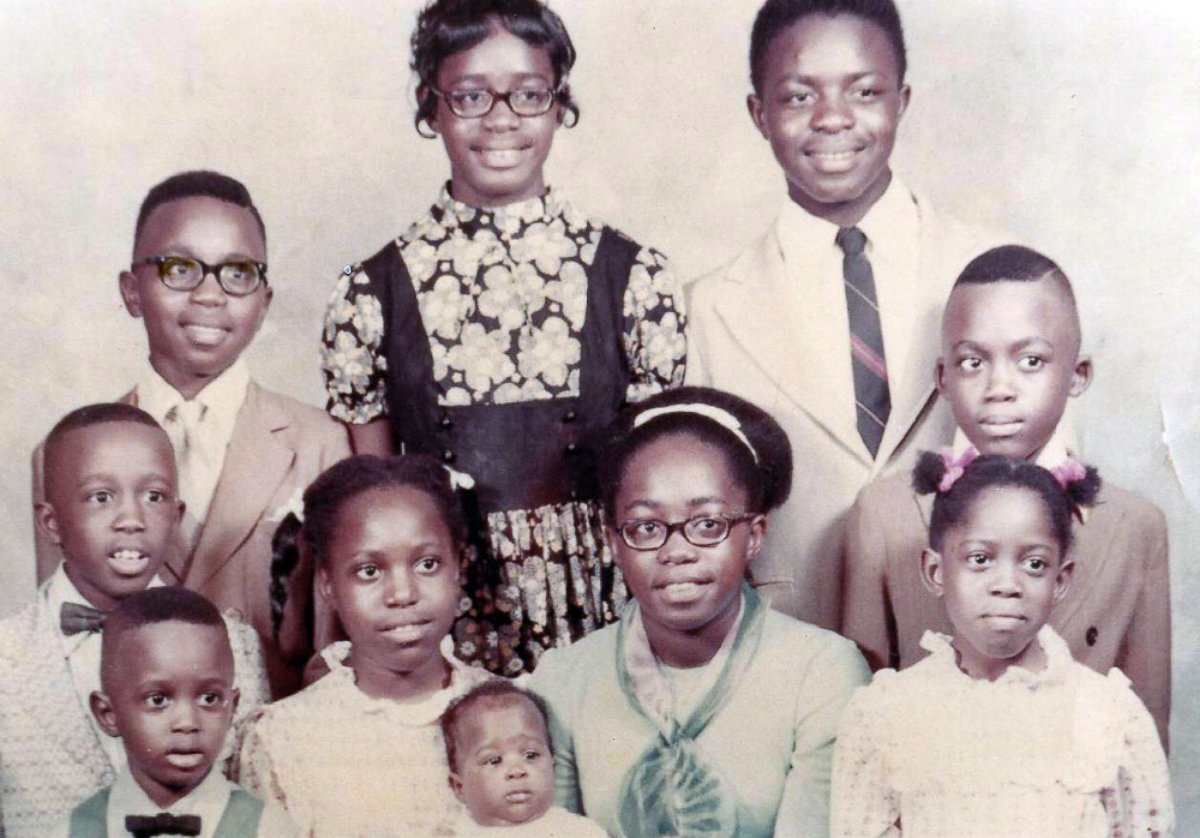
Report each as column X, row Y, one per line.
column 502, row 295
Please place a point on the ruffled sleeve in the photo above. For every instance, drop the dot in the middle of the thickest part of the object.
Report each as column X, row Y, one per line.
column 353, row 358
column 1142, row 801
column 654, row 326
column 862, row 803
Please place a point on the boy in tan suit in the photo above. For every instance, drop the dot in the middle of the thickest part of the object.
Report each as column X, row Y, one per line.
column 1010, row 360
column 829, row 321
column 198, row 280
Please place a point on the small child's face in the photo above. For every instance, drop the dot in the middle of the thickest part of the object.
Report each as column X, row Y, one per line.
column 391, row 573
column 196, row 335
column 830, row 103
column 505, row 766
column 111, row 506
column 680, row 587
column 1010, row 359
column 1000, row 572
column 496, row 159
column 171, row 700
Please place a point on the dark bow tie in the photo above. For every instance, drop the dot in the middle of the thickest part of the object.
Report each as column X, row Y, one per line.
column 75, row 618
column 164, row 823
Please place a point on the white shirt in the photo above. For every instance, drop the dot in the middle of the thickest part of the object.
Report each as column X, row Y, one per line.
column 82, row 652
column 208, row 801
column 814, row 260
column 222, row 399
column 1064, row 752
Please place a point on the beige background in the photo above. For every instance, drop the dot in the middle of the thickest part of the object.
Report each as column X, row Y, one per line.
column 1072, row 123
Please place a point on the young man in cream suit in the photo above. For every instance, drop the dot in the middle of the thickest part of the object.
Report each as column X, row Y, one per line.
column 845, row 366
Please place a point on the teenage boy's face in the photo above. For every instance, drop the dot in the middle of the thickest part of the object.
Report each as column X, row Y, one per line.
column 830, row 102
column 196, row 335
column 505, row 770
column 496, row 159
column 171, row 701
column 1010, row 359
column 111, row 506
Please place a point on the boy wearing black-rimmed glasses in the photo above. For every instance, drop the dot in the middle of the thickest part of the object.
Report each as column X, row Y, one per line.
column 198, row 279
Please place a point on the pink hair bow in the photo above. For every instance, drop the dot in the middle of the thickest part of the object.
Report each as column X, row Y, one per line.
column 1069, row 471
column 955, row 466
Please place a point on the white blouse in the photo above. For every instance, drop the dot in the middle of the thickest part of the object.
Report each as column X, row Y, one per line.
column 346, row 765
column 932, row 753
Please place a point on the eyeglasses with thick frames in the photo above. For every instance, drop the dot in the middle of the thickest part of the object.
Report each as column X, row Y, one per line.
column 475, row 104
column 237, row 278
column 700, row 530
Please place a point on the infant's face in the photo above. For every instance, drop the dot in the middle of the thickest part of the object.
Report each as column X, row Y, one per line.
column 505, row 767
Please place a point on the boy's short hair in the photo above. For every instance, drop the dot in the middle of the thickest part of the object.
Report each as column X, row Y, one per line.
column 1016, row 263
column 777, row 15
column 496, row 692
column 88, row 416
column 197, row 184
column 164, row 604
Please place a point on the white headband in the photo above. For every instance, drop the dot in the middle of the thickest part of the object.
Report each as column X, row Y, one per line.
column 722, row 417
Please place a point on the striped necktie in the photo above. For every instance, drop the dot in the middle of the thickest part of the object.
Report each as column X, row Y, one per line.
column 871, row 396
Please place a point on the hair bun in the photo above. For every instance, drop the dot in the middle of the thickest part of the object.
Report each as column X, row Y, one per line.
column 928, row 473
column 1084, row 491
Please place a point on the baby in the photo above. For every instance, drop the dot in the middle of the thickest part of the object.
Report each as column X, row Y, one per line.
column 502, row 766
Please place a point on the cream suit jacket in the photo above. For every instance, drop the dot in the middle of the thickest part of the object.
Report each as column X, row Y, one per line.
column 749, row 333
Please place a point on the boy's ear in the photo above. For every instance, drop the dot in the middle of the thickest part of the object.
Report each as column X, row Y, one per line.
column 755, row 108
column 939, row 376
column 905, row 98
column 456, row 785
column 1081, row 376
column 130, row 293
column 46, row 520
column 931, row 571
column 102, row 709
column 1062, row 581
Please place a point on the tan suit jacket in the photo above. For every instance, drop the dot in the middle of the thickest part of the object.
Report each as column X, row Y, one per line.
column 51, row 757
column 1117, row 611
column 749, row 334
column 277, row 448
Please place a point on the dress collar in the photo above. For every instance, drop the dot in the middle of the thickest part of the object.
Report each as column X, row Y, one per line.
column 452, row 213
column 1058, row 660
column 415, row 714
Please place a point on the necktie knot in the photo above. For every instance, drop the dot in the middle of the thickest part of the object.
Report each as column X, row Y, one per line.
column 851, row 240
column 187, row 413
column 164, row 823
column 74, row 618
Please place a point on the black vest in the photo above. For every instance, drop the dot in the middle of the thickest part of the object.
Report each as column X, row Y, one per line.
column 525, row 454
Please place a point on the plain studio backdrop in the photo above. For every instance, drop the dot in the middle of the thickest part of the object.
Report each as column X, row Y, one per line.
column 1073, row 124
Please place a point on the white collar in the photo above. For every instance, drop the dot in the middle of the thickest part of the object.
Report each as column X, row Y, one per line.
column 207, row 800
column 415, row 714
column 1058, row 660
column 223, row 396
column 891, row 222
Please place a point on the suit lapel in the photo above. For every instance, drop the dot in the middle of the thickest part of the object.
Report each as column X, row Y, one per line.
column 789, row 340
column 256, row 462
